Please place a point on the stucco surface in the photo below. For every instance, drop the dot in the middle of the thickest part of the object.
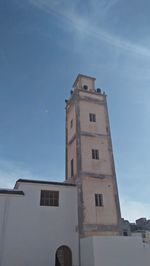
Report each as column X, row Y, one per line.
column 85, row 81
column 115, row 251
column 99, row 215
column 101, row 166
column 100, row 125
column 32, row 232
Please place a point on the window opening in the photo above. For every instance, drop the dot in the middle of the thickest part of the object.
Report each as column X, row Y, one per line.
column 92, row 117
column 72, row 168
column 98, row 200
column 85, row 87
column 49, row 198
column 95, row 154
column 125, row 233
column 71, row 123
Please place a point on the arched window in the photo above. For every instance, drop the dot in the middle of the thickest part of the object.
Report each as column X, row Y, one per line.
column 63, row 256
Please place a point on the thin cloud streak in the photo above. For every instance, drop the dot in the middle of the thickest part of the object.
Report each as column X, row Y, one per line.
column 83, row 26
column 105, row 6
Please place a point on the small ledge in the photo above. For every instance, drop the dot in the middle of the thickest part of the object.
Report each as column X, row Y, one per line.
column 11, row 192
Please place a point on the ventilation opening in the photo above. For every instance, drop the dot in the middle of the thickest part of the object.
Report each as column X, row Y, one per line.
column 85, row 87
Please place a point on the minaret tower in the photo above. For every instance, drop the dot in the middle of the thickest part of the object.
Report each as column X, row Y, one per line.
column 89, row 159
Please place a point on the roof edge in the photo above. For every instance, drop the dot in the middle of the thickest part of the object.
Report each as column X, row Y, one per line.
column 81, row 75
column 44, row 182
column 11, row 192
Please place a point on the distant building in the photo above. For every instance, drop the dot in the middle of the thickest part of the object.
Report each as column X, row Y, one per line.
column 143, row 223
column 141, row 228
column 76, row 222
column 126, row 227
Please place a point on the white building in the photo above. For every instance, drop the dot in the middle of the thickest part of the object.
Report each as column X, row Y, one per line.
column 76, row 222
column 30, row 234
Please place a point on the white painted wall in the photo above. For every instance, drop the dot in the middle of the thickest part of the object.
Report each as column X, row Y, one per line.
column 145, row 235
column 32, row 233
column 114, row 251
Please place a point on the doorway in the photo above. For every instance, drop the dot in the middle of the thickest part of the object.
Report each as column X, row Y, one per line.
column 63, row 256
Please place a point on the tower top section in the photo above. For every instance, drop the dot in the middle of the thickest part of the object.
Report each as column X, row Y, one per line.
column 85, row 86
column 84, row 82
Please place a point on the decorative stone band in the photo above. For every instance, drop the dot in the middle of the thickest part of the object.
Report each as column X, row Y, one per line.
column 100, row 176
column 101, row 228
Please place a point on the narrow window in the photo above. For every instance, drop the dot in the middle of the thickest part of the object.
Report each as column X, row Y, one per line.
column 98, row 200
column 95, row 154
column 71, row 123
column 49, row 198
column 125, row 233
column 92, row 117
column 72, row 168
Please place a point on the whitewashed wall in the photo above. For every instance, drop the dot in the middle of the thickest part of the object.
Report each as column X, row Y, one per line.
column 114, row 251
column 30, row 233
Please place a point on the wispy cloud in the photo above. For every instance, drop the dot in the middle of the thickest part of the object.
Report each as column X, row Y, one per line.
column 104, row 5
column 84, row 27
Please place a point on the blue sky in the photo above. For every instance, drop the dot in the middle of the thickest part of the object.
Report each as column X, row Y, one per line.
column 44, row 44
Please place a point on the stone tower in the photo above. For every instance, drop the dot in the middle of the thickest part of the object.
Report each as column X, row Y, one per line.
column 89, row 159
